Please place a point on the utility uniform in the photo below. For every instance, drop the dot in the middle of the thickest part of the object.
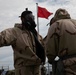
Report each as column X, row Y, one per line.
column 61, row 41
column 26, row 62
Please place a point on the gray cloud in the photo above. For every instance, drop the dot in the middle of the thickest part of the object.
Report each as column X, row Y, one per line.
column 58, row 2
column 39, row 0
column 54, row 2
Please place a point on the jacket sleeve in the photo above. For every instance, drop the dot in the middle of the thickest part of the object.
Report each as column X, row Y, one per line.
column 7, row 37
column 51, row 43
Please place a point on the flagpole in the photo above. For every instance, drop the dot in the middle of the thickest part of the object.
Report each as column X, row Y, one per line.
column 37, row 18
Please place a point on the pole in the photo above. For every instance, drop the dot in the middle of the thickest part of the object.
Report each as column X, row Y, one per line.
column 37, row 18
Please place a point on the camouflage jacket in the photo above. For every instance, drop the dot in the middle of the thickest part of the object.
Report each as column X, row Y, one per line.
column 23, row 44
column 61, row 39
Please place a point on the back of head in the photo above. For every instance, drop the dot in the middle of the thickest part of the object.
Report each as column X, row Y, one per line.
column 61, row 14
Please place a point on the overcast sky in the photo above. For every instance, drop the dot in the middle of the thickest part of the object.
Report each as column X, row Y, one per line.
column 11, row 9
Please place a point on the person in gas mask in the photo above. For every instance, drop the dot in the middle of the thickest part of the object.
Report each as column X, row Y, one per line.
column 29, row 52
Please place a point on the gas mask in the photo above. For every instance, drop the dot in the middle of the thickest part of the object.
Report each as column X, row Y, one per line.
column 28, row 22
